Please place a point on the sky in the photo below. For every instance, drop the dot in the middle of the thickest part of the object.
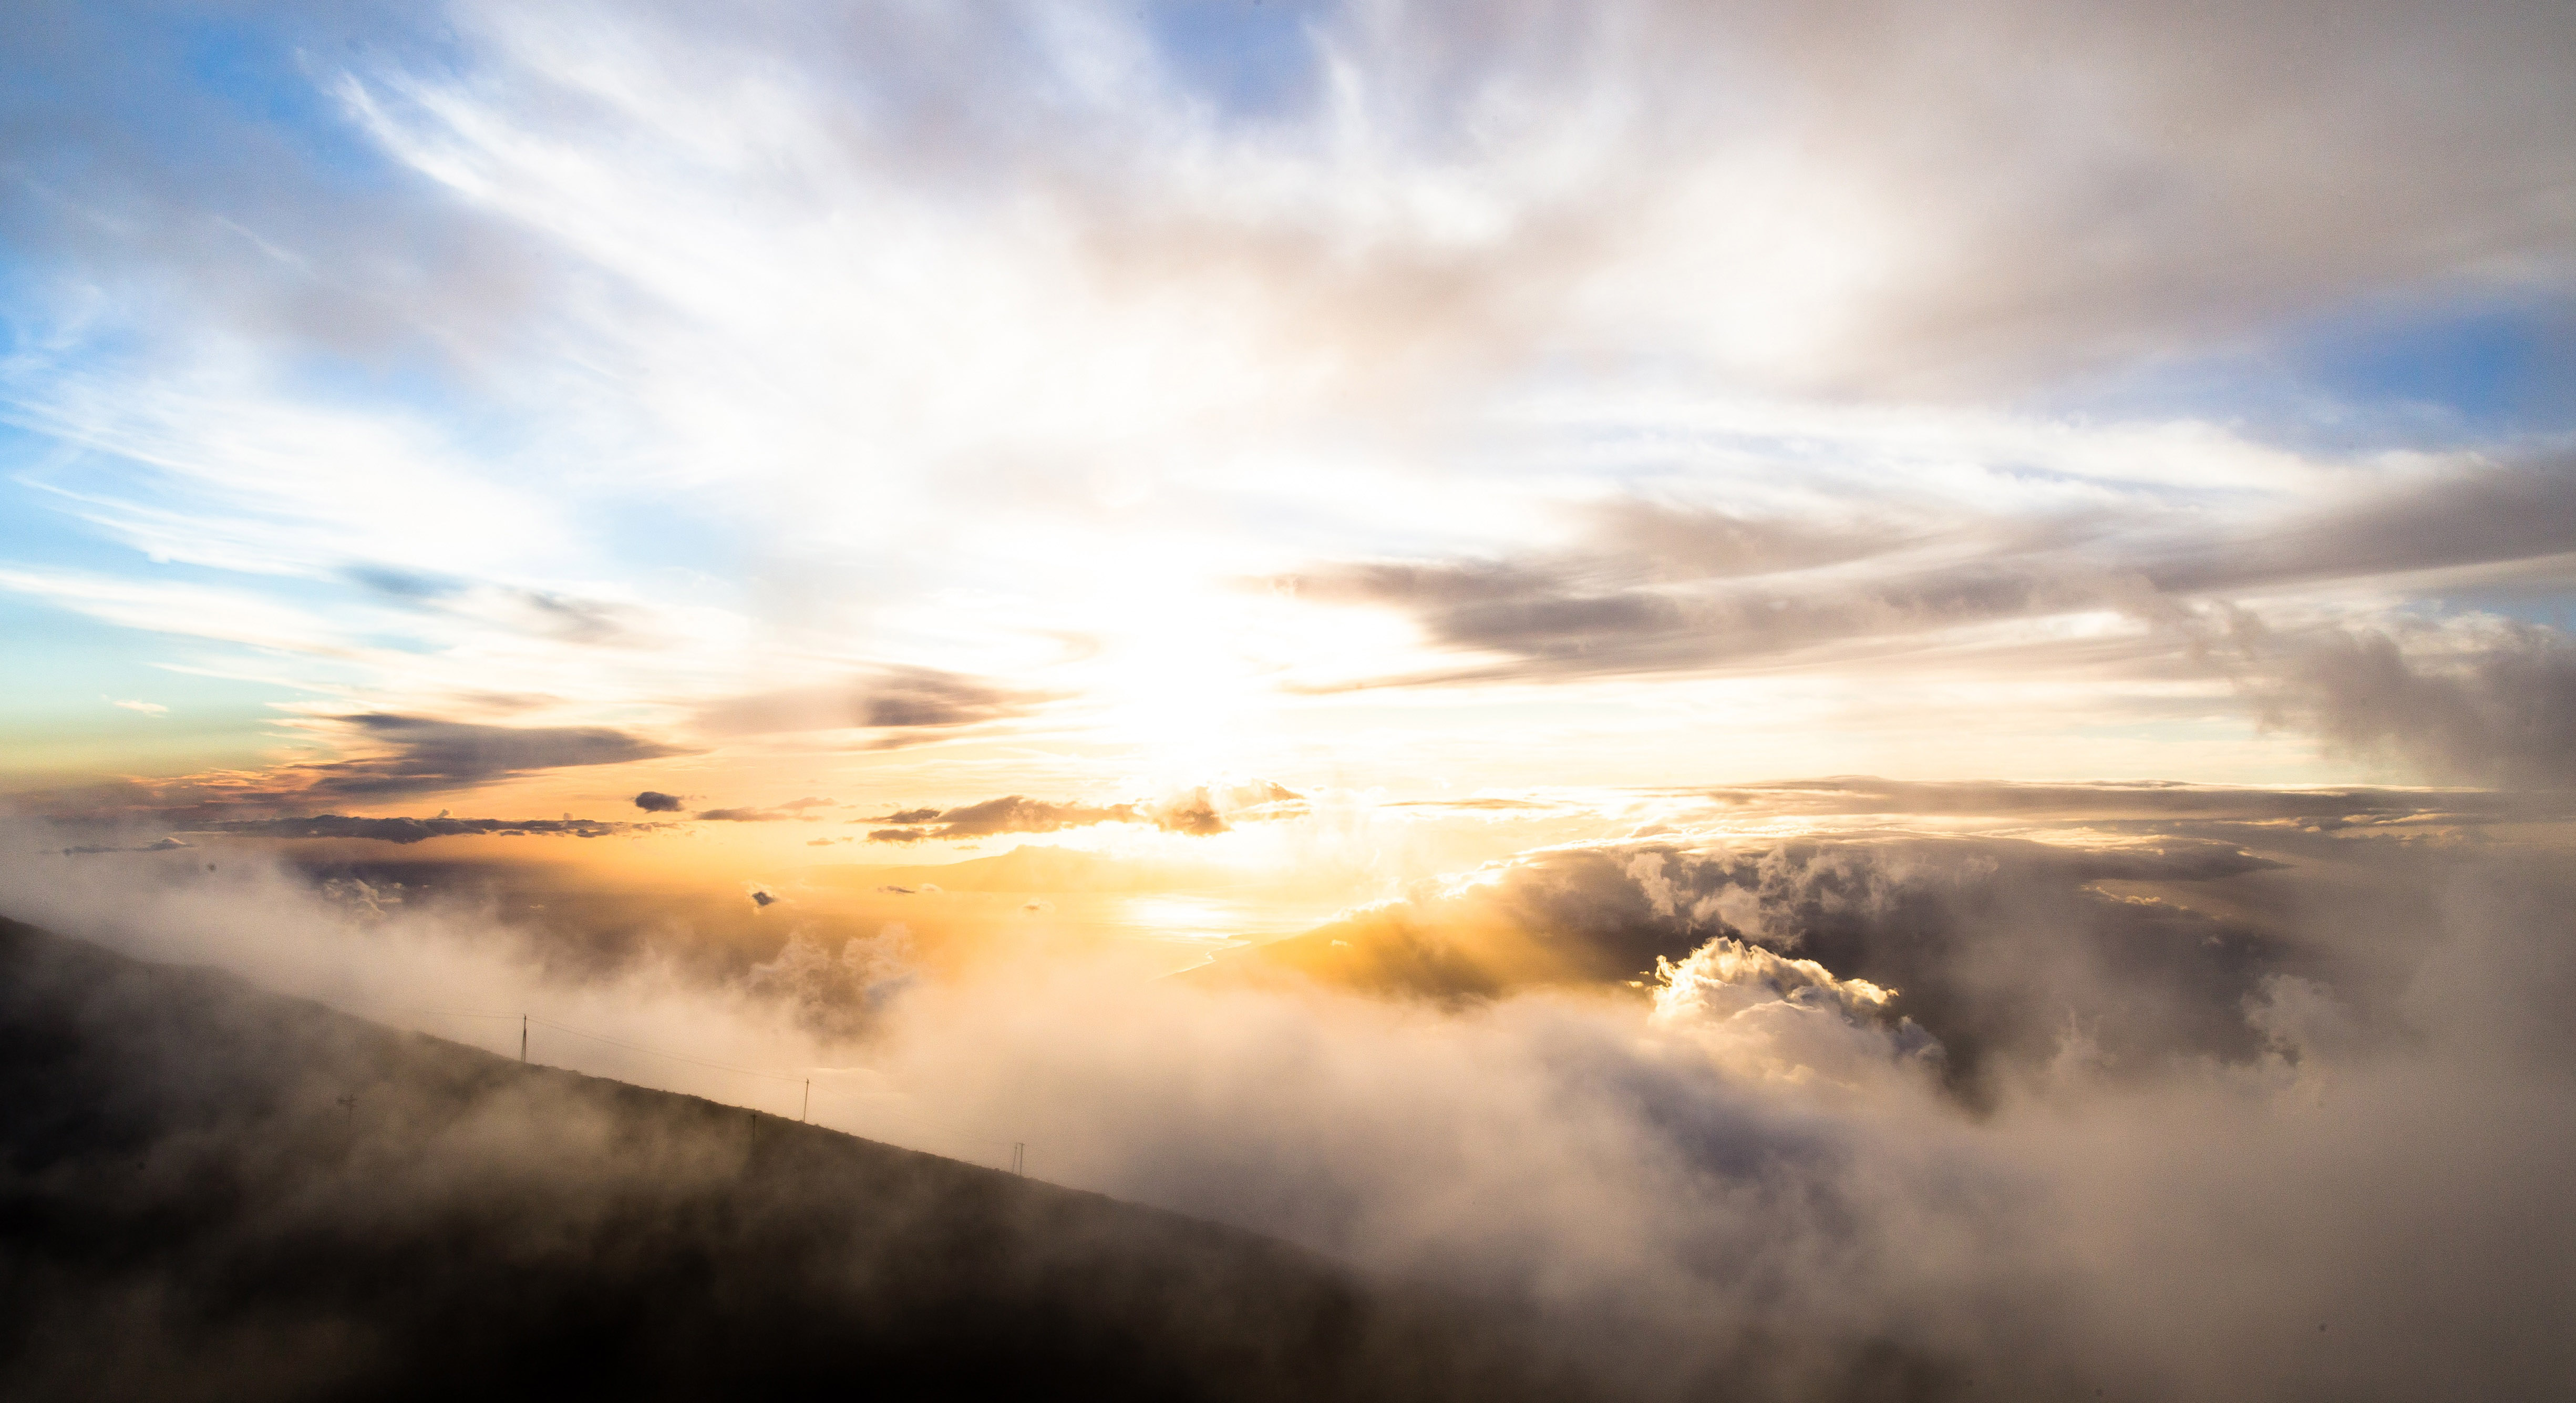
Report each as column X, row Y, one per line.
column 509, row 413
column 1873, row 670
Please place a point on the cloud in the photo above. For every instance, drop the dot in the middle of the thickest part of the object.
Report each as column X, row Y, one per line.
column 1663, row 590
column 422, row 755
column 893, row 699
column 653, row 801
column 413, row 830
column 1200, row 811
column 2486, row 703
column 158, row 846
column 795, row 810
column 1478, row 242
column 1012, row 813
column 1752, row 1164
column 2473, row 514
column 838, row 991
column 1994, row 942
column 1207, row 809
column 1745, row 1176
column 1524, row 184
column 586, row 622
column 1789, row 1017
column 145, row 707
column 396, row 756
column 2150, row 805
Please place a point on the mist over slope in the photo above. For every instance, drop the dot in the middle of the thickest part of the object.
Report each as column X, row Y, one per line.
column 1839, row 1090
column 211, row 1192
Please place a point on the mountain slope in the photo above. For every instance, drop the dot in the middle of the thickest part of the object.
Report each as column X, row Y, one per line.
column 208, row 1191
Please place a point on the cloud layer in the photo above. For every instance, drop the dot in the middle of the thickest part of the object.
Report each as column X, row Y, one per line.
column 2197, row 1063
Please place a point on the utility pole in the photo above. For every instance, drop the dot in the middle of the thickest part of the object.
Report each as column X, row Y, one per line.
column 808, row 1103
column 1020, row 1157
column 523, row 1037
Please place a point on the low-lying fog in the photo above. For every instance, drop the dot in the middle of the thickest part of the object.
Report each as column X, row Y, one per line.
column 2160, row 1093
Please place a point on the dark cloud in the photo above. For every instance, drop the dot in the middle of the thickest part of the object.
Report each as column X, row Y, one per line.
column 2483, row 515
column 1210, row 809
column 1671, row 588
column 1569, row 622
column 92, row 849
column 892, row 699
column 2498, row 711
column 423, row 755
column 1640, row 601
column 398, row 756
column 413, row 830
column 1205, row 810
column 2158, row 802
column 1012, row 813
column 588, row 622
column 1992, row 944
column 742, row 815
column 654, row 801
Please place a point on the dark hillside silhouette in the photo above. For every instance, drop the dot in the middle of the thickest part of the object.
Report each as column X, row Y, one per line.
column 209, row 1191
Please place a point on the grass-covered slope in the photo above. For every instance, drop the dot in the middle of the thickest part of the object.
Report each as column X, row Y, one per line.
column 208, row 1191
